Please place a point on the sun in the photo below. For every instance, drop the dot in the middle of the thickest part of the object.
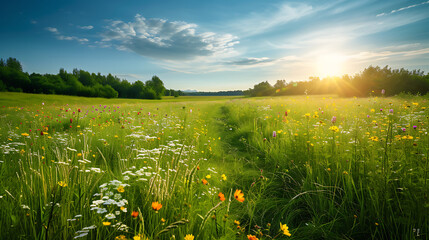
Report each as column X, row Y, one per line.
column 330, row 65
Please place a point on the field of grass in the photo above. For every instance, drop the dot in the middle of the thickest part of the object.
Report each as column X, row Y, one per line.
column 213, row 168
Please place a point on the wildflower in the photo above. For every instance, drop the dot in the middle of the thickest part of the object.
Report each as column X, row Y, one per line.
column 221, row 196
column 285, row 113
column 107, row 223
column 163, row 220
column 239, row 195
column 134, row 214
column 121, row 189
column 252, row 237
column 236, row 222
column 372, row 110
column 156, row 206
column 204, row 181
column 391, row 110
column 62, row 184
column 189, row 237
column 120, row 237
column 383, row 91
column 25, row 134
column 285, row 229
column 208, row 176
column 71, row 120
column 79, row 154
column 334, row 119
column 274, row 134
column 110, row 216
column 307, row 115
column 334, row 129
column 223, row 177
column 414, row 127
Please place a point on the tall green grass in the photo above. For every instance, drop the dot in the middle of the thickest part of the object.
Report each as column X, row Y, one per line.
column 95, row 173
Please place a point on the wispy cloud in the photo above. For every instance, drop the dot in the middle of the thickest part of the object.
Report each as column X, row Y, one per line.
column 167, row 40
column 385, row 54
column 402, row 9
column 52, row 29
column 89, row 27
column 251, row 61
column 261, row 21
column 59, row 36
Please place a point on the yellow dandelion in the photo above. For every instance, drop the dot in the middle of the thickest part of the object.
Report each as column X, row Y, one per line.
column 62, row 184
column 189, row 237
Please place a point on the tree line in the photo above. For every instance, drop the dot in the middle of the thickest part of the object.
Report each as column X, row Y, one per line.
column 371, row 81
column 78, row 83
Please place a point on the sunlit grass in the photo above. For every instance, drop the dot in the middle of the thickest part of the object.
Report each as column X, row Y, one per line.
column 213, row 168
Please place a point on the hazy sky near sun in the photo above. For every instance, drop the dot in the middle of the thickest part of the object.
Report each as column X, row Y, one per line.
column 215, row 45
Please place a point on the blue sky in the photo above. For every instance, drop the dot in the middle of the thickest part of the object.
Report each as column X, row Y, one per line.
column 215, row 45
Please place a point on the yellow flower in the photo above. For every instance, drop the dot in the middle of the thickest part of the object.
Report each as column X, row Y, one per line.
column 189, row 237
column 62, row 184
column 236, row 222
column 223, row 177
column 208, row 176
column 121, row 189
column 285, row 229
column 334, row 129
column 107, row 223
column 25, row 134
column 79, row 154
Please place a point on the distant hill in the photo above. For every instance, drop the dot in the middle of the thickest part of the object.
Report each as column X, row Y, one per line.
column 220, row 93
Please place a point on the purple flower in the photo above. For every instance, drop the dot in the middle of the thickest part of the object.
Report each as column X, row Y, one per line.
column 391, row 110
column 414, row 127
column 382, row 91
column 367, row 116
column 274, row 134
column 334, row 119
column 404, row 129
column 381, row 109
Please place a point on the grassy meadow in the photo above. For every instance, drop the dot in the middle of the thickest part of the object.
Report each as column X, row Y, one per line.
column 302, row 167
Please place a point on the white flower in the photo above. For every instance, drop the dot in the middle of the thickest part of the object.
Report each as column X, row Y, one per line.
column 110, row 216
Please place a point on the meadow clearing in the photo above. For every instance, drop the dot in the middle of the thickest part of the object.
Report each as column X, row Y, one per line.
column 299, row 167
